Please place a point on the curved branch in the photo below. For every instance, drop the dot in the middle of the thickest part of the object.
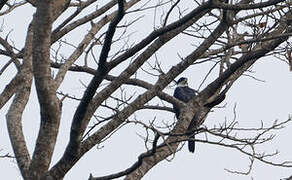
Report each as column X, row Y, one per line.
column 21, row 85
column 144, row 98
column 9, row 90
column 163, row 153
column 134, row 166
column 59, row 32
column 245, row 6
column 48, row 100
column 64, row 164
column 84, row 44
column 159, row 32
column 76, row 132
column 259, row 51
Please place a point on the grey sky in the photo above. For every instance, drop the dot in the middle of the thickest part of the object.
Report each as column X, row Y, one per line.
column 255, row 102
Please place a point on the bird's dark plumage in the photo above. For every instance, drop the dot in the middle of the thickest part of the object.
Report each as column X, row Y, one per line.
column 184, row 93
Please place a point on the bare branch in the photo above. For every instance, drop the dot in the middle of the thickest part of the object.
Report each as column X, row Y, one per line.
column 134, row 166
column 77, row 124
column 21, row 85
column 45, row 87
column 218, row 4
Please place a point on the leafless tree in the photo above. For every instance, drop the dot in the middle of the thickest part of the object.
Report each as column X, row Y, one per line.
column 232, row 35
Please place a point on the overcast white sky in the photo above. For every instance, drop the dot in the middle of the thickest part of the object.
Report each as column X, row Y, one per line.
column 256, row 101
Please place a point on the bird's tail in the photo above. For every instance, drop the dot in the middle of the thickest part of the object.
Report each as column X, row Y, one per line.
column 191, row 143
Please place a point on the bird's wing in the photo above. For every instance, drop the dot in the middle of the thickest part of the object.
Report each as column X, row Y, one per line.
column 184, row 93
column 178, row 96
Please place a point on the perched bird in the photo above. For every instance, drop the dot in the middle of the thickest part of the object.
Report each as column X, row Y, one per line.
column 185, row 93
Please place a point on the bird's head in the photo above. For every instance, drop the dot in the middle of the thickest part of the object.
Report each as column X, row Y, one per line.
column 182, row 82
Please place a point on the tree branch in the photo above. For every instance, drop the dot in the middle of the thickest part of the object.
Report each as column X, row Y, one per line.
column 163, row 81
column 239, row 7
column 22, row 86
column 134, row 166
column 77, row 125
column 9, row 90
column 149, row 163
column 84, row 44
column 50, row 110
column 59, row 32
column 163, row 30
